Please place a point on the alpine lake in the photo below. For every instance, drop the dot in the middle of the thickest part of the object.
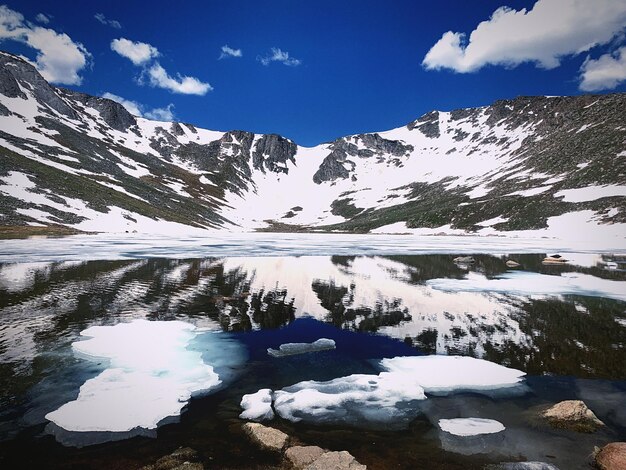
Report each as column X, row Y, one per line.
column 159, row 317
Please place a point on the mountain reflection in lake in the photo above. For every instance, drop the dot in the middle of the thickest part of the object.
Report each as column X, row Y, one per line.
column 428, row 302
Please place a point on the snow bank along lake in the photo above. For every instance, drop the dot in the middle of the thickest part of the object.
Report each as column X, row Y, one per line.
column 114, row 353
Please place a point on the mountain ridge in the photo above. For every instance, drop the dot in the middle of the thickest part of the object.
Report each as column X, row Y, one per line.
column 74, row 160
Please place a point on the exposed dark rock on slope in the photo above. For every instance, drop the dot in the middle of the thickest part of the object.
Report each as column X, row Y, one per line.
column 70, row 159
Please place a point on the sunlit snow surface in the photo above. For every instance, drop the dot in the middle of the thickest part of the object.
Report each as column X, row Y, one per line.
column 470, row 426
column 151, row 376
column 131, row 246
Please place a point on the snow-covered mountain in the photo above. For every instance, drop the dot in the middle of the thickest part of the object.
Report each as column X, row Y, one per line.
column 84, row 162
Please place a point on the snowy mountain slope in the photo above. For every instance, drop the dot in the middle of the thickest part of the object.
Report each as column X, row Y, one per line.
column 84, row 162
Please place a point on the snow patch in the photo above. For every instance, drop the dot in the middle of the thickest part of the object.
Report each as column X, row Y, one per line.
column 591, row 193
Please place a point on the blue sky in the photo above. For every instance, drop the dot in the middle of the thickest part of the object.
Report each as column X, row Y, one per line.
column 342, row 67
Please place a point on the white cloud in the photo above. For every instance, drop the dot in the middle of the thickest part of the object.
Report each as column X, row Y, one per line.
column 135, row 108
column 137, row 52
column 542, row 35
column 158, row 77
column 59, row 59
column 41, row 18
column 103, row 19
column 277, row 55
column 141, row 53
column 230, row 52
column 604, row 73
column 161, row 114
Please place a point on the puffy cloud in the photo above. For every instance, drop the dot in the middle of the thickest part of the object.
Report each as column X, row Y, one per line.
column 277, row 55
column 543, row 35
column 59, row 59
column 230, row 52
column 137, row 52
column 103, row 19
column 158, row 77
column 604, row 73
column 135, row 108
column 41, row 18
column 161, row 114
column 142, row 54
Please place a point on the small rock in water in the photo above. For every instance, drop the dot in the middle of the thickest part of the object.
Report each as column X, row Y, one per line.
column 183, row 457
column 554, row 259
column 267, row 438
column 522, row 466
column 573, row 415
column 612, row 457
column 300, row 457
column 336, row 461
column 512, row 264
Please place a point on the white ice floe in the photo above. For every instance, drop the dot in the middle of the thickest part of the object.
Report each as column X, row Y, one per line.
column 390, row 399
column 375, row 400
column 529, row 283
column 470, row 426
column 151, row 376
column 446, row 374
column 257, row 406
column 290, row 349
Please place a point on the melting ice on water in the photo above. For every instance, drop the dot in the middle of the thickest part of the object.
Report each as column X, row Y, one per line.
column 257, row 406
column 389, row 398
column 151, row 376
column 470, row 426
column 290, row 349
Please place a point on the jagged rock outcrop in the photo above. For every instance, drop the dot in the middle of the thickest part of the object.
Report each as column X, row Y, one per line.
column 272, row 152
column 16, row 75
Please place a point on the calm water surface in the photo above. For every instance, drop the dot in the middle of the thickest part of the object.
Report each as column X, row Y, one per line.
column 565, row 326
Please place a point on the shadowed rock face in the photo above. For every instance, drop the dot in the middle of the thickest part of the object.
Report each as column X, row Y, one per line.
column 113, row 113
column 337, row 165
column 272, row 152
column 14, row 71
column 428, row 124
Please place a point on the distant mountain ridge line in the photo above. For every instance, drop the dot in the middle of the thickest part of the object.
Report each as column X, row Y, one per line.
column 83, row 162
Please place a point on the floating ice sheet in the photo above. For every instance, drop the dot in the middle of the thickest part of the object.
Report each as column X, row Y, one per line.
column 151, row 376
column 383, row 400
column 470, row 426
column 290, row 349
column 257, row 406
column 447, row 374
column 390, row 399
